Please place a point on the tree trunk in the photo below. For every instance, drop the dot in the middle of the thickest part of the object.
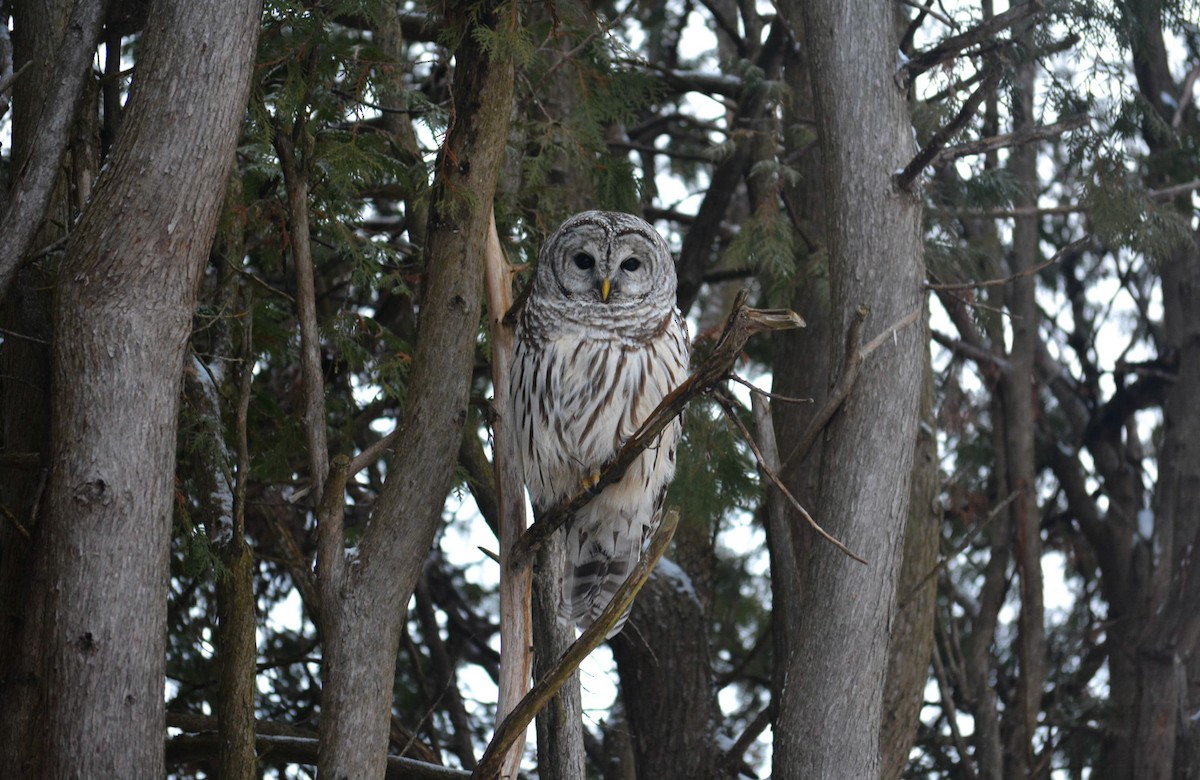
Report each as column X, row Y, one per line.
column 828, row 723
column 1155, row 626
column 666, row 681
column 1016, row 444
column 122, row 315
column 560, row 724
column 363, row 619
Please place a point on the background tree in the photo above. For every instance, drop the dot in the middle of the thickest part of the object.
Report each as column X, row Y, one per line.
column 1028, row 525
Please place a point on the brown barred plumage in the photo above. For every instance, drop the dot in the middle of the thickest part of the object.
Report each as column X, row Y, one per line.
column 588, row 369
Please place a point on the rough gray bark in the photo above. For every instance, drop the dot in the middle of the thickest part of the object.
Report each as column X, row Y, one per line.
column 25, row 409
column 666, row 682
column 830, row 701
column 122, row 316
column 361, row 628
column 910, row 646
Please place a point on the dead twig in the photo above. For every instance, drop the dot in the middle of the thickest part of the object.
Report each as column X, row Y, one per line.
column 1006, row 140
column 731, row 414
column 1075, row 246
column 773, row 396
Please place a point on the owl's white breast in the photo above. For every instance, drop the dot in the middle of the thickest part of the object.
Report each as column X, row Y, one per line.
column 577, row 398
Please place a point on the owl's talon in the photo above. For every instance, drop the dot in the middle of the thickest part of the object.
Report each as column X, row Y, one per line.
column 589, row 482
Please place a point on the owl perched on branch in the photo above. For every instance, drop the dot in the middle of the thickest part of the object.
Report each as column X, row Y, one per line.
column 599, row 343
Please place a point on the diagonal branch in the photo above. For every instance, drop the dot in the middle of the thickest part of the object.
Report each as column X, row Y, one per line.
column 904, row 179
column 1006, row 140
column 33, row 178
column 1078, row 245
column 984, row 33
column 743, row 323
column 513, row 726
column 731, row 415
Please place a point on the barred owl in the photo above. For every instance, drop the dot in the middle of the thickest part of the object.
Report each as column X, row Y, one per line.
column 598, row 344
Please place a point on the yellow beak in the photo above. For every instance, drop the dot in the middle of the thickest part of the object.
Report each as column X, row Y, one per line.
column 605, row 289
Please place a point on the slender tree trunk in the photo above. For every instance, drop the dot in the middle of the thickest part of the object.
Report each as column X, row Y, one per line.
column 830, row 703
column 560, row 724
column 122, row 315
column 364, row 609
column 1017, row 401
column 1156, row 626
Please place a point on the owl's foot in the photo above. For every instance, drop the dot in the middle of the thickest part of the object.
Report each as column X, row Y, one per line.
column 589, row 482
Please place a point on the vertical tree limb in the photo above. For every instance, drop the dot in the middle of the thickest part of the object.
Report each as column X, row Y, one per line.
column 1019, row 403
column 294, row 162
column 516, row 630
column 360, row 657
column 34, row 177
column 237, row 647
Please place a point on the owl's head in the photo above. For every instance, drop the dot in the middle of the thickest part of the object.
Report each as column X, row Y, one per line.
column 607, row 259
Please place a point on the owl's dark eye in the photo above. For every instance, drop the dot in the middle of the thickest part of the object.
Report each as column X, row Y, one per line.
column 632, row 264
column 584, row 261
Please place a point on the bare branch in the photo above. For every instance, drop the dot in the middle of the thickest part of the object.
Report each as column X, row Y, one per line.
column 927, row 8
column 931, row 150
column 951, row 47
column 1024, row 136
column 1185, row 96
column 970, row 537
column 1075, row 246
column 733, row 755
column 300, row 750
column 7, row 82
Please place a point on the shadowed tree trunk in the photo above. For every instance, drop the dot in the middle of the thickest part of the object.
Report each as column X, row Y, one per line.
column 25, row 390
column 666, row 681
column 122, row 316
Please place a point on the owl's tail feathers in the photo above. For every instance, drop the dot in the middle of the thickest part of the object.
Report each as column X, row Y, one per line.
column 594, row 574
